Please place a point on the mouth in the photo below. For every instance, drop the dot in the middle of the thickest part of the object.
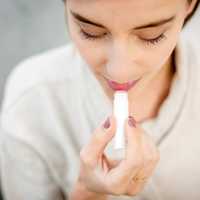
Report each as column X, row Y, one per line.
column 121, row 86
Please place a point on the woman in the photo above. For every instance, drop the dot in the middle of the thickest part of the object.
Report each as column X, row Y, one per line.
column 56, row 144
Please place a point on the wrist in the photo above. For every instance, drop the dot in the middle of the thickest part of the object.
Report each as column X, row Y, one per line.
column 80, row 192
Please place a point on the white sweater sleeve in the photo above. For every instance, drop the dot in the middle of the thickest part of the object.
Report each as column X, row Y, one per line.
column 24, row 173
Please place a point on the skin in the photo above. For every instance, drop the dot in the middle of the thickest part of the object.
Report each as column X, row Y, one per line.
column 125, row 53
column 100, row 175
column 120, row 54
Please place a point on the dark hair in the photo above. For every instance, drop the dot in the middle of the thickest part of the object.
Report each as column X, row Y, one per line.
column 189, row 16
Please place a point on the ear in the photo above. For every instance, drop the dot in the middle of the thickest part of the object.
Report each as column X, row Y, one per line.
column 191, row 6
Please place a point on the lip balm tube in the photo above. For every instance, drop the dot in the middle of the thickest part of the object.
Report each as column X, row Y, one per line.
column 121, row 111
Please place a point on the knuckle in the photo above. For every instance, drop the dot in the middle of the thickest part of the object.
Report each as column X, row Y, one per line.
column 135, row 163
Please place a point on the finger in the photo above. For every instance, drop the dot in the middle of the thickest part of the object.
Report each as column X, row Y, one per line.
column 133, row 158
column 99, row 140
column 135, row 188
column 133, row 153
column 151, row 146
column 133, row 136
column 151, row 156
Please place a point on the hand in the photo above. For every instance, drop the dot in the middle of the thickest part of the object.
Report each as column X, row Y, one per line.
column 116, row 177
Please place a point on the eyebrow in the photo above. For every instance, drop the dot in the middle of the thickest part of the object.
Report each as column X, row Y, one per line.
column 148, row 25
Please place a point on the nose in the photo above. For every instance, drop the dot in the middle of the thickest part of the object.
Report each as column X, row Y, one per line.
column 121, row 63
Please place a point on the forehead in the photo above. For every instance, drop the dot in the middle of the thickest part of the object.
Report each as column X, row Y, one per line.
column 118, row 6
column 124, row 11
column 125, row 14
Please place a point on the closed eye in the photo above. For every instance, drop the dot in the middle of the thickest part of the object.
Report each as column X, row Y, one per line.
column 153, row 41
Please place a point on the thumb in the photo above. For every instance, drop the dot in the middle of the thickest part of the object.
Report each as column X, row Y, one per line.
column 101, row 137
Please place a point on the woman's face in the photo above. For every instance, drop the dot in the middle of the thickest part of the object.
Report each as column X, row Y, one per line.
column 124, row 40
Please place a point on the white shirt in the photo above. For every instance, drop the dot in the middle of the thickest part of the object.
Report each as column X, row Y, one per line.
column 52, row 104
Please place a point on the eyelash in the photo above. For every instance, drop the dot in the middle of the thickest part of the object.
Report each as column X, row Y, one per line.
column 153, row 41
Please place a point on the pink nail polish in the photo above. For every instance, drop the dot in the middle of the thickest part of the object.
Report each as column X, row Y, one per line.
column 131, row 121
column 107, row 123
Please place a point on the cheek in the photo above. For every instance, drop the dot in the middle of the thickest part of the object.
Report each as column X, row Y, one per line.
column 157, row 57
column 90, row 51
column 92, row 56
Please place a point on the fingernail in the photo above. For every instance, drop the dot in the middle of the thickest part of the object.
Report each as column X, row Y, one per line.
column 131, row 121
column 106, row 124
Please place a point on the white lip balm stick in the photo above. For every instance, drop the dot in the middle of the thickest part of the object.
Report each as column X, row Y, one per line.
column 121, row 113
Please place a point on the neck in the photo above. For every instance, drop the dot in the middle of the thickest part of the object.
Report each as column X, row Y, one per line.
column 146, row 105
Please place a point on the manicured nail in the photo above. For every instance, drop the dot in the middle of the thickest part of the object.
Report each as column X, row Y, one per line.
column 106, row 124
column 131, row 121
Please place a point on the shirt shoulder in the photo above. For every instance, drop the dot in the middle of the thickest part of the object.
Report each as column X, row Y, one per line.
column 36, row 106
column 42, row 96
column 50, row 66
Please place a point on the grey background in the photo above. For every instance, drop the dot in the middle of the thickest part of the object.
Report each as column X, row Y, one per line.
column 27, row 28
column 30, row 27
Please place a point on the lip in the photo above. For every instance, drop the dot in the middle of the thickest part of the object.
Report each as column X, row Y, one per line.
column 121, row 86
